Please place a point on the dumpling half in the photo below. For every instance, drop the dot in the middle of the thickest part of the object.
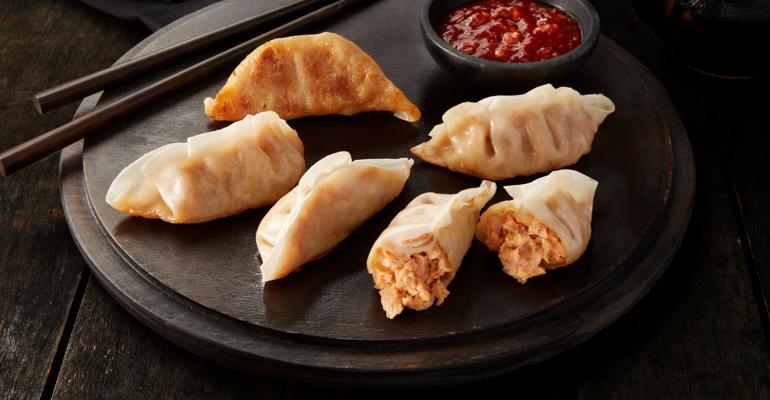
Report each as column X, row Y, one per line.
column 333, row 198
column 417, row 256
column 547, row 225
column 249, row 164
column 307, row 75
column 505, row 136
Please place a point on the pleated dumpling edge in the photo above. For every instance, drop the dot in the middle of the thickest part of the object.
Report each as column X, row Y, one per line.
column 547, row 224
column 565, row 183
column 423, row 217
column 282, row 241
column 416, row 257
column 502, row 137
column 309, row 75
column 248, row 164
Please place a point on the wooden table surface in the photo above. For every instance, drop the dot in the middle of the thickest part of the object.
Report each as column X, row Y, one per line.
column 702, row 332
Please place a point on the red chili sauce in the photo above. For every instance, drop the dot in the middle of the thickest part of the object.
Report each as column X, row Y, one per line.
column 510, row 30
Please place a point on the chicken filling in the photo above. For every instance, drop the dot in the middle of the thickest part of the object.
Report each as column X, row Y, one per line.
column 413, row 281
column 526, row 251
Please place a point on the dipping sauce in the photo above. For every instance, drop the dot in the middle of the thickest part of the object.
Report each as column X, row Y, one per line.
column 510, row 30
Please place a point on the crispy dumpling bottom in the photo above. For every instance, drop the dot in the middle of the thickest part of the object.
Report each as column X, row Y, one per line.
column 526, row 247
column 414, row 281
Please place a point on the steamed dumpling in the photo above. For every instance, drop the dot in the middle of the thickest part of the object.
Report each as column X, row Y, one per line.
column 249, row 164
column 547, row 225
column 505, row 136
column 306, row 75
column 333, row 198
column 417, row 256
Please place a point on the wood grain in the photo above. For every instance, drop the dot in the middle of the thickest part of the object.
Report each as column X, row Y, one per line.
column 129, row 103
column 661, row 342
column 741, row 127
column 116, row 74
column 698, row 334
column 160, row 278
column 699, row 321
column 112, row 355
column 40, row 268
column 335, row 293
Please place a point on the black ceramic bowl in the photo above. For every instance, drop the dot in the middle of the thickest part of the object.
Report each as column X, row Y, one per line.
column 510, row 75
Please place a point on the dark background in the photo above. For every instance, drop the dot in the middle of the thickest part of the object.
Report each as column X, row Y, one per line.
column 702, row 332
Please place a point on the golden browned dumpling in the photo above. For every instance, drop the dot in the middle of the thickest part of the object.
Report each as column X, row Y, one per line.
column 307, row 75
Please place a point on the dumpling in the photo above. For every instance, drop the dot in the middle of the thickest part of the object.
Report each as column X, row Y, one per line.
column 333, row 198
column 505, row 136
column 417, row 256
column 249, row 164
column 306, row 75
column 547, row 225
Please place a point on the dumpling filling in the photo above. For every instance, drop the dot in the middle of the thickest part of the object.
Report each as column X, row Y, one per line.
column 413, row 281
column 526, row 250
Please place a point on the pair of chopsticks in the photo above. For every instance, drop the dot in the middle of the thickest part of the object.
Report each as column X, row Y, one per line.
column 44, row 145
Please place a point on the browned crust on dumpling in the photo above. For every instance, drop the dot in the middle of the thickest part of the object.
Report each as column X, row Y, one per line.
column 308, row 75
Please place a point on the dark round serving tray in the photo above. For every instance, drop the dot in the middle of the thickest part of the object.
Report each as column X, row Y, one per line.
column 198, row 285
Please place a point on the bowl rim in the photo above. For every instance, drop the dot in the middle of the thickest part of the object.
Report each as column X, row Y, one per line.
column 588, row 41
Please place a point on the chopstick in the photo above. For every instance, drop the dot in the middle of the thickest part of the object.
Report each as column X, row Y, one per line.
column 41, row 146
column 62, row 94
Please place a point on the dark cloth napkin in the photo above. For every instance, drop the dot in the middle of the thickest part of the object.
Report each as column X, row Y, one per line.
column 153, row 13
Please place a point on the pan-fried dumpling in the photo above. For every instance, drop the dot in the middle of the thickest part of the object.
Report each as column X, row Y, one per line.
column 249, row 164
column 417, row 256
column 505, row 136
column 306, row 75
column 333, row 198
column 547, row 225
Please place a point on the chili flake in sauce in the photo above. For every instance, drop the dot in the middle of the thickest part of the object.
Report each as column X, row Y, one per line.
column 510, row 30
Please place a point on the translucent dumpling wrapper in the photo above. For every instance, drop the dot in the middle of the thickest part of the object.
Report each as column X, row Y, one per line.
column 249, row 164
column 417, row 256
column 300, row 76
column 502, row 137
column 547, row 225
column 333, row 198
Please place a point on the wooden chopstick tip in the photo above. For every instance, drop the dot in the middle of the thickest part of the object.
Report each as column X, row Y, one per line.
column 36, row 103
